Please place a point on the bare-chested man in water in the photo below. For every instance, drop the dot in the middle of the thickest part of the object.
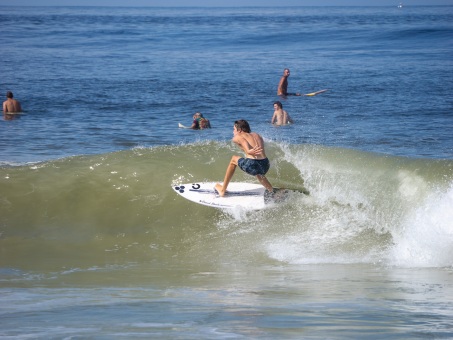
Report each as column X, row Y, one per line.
column 255, row 163
column 11, row 105
column 282, row 89
column 280, row 117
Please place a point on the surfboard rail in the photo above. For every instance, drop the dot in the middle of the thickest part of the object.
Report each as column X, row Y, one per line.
column 314, row 93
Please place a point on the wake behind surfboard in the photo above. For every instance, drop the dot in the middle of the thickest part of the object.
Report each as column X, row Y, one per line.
column 248, row 196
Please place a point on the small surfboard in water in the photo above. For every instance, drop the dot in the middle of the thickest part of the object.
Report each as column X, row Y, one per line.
column 183, row 126
column 249, row 196
column 314, row 93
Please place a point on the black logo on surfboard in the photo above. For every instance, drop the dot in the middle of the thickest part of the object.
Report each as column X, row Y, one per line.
column 180, row 188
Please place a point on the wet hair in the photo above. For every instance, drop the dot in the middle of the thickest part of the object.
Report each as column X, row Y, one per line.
column 9, row 94
column 198, row 114
column 242, row 125
column 279, row 104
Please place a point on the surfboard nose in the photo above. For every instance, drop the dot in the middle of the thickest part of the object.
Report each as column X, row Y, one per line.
column 180, row 188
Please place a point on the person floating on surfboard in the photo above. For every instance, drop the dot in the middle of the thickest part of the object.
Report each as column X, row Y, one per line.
column 255, row 163
column 282, row 89
column 200, row 122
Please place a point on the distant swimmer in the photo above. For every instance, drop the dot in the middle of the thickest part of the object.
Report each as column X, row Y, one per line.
column 282, row 89
column 200, row 122
column 11, row 105
column 280, row 117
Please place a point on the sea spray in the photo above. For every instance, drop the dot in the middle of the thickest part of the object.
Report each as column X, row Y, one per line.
column 426, row 237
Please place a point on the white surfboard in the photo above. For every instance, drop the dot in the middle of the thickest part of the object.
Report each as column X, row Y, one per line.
column 249, row 196
column 183, row 126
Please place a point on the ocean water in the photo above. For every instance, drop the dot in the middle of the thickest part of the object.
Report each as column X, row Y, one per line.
column 94, row 243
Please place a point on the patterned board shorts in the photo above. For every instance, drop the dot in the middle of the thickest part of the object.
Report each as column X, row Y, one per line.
column 254, row 166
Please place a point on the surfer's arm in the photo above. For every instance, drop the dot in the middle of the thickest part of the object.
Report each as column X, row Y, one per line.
column 274, row 117
column 288, row 118
column 255, row 151
column 194, row 125
column 280, row 90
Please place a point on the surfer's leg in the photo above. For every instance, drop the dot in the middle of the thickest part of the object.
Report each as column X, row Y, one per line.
column 221, row 189
column 263, row 180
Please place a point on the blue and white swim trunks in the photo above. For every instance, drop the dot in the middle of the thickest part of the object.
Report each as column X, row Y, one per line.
column 254, row 166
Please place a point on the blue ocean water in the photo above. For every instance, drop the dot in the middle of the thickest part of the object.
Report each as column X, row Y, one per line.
column 95, row 80
column 94, row 243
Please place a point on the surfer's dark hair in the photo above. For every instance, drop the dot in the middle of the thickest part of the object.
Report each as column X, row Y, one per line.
column 9, row 94
column 279, row 104
column 242, row 125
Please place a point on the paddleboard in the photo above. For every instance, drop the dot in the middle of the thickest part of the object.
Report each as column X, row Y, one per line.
column 248, row 196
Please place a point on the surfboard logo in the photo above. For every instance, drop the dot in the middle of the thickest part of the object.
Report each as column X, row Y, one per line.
column 180, row 189
column 248, row 196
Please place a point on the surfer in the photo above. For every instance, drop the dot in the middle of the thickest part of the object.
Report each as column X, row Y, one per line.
column 280, row 117
column 282, row 89
column 255, row 163
column 11, row 105
column 200, row 122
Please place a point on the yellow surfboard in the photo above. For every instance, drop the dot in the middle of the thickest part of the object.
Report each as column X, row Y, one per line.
column 314, row 93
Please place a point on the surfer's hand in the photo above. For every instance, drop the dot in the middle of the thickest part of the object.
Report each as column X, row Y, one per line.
column 256, row 150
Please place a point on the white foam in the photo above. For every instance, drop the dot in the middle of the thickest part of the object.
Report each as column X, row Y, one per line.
column 426, row 239
column 366, row 213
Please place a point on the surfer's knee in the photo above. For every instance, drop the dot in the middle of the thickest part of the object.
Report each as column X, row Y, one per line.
column 234, row 160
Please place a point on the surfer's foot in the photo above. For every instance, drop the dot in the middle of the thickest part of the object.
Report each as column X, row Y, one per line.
column 276, row 195
column 269, row 196
column 219, row 189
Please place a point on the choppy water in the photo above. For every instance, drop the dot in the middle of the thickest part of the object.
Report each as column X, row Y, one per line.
column 93, row 241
